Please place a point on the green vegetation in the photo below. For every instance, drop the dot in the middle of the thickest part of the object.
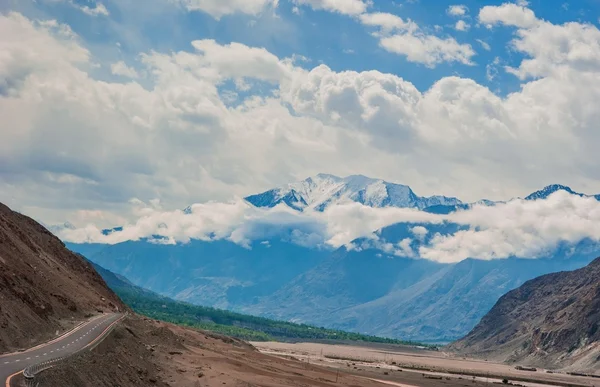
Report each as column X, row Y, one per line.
column 234, row 324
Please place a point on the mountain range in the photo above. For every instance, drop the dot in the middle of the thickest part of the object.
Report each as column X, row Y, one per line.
column 322, row 191
column 365, row 290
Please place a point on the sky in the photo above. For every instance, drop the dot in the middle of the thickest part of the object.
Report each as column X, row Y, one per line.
column 107, row 104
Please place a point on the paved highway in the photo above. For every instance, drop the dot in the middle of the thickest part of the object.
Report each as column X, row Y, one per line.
column 79, row 338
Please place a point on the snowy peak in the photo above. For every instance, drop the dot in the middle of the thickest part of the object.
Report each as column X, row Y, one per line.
column 321, row 191
column 549, row 190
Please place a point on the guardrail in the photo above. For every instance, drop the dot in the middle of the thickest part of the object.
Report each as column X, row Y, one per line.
column 30, row 372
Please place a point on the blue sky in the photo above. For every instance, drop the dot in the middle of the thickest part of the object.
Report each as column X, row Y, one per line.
column 322, row 37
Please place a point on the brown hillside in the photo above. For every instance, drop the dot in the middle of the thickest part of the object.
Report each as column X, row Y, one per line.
column 552, row 321
column 44, row 288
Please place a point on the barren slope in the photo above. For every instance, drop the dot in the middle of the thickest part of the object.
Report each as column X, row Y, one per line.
column 44, row 288
column 551, row 321
column 144, row 352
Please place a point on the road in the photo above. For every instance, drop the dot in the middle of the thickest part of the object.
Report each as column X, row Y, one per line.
column 68, row 344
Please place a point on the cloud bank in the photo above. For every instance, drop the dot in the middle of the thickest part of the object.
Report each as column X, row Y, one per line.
column 518, row 228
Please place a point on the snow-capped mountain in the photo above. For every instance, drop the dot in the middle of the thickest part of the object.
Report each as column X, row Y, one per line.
column 550, row 189
column 321, row 191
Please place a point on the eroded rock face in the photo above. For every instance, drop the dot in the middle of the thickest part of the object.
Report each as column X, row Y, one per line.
column 44, row 287
column 551, row 321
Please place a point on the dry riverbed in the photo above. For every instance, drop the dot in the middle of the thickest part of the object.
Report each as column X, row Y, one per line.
column 409, row 367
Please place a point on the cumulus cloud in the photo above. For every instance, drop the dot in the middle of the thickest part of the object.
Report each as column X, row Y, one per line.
column 554, row 49
column 406, row 38
column 526, row 229
column 97, row 10
column 457, row 10
column 387, row 22
column 461, row 25
column 94, row 9
column 509, row 14
column 346, row 7
column 121, row 68
column 219, row 8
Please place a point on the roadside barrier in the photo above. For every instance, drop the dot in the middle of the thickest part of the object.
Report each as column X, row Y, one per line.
column 32, row 371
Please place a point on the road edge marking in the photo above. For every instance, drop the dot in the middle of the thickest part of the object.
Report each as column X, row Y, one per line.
column 101, row 335
column 10, row 377
column 75, row 329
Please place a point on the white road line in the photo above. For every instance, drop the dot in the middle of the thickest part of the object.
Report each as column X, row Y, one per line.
column 6, row 362
column 18, row 360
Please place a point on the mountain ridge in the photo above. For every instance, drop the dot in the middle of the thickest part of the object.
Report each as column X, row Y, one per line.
column 550, row 321
column 321, row 191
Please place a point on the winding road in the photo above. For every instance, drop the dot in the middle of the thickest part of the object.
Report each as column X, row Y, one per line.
column 68, row 344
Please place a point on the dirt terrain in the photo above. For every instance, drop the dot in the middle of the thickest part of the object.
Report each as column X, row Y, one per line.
column 418, row 367
column 44, row 288
column 144, row 352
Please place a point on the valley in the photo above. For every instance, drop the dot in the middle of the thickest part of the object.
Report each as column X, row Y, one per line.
column 410, row 366
column 376, row 285
column 299, row 193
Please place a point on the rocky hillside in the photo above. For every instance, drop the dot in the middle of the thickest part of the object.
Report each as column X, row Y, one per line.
column 551, row 321
column 44, row 288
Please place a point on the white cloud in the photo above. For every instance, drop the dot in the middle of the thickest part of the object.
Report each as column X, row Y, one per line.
column 491, row 69
column 526, row 229
column 508, row 14
column 242, row 223
column 220, row 8
column 461, row 25
column 419, row 232
column 406, row 38
column 121, row 68
column 94, row 9
column 484, row 44
column 387, row 22
column 346, row 7
column 98, row 9
column 551, row 48
column 457, row 10
column 428, row 49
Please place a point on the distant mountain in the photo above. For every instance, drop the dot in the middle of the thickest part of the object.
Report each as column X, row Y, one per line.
column 551, row 321
column 234, row 324
column 363, row 289
column 372, row 292
column 219, row 273
column 550, row 189
column 322, row 191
